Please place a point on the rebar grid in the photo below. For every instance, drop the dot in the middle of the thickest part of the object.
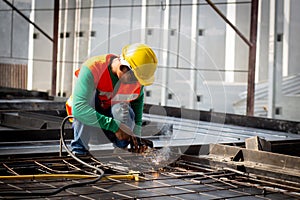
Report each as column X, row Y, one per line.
column 180, row 180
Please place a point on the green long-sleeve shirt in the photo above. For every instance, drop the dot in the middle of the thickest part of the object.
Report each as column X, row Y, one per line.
column 84, row 93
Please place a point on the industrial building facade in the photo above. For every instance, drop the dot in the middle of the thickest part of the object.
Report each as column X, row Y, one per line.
column 203, row 63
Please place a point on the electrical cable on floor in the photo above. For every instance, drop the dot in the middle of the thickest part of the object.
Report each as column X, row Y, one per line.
column 56, row 191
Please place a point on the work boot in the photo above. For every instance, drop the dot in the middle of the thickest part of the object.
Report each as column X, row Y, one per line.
column 81, row 153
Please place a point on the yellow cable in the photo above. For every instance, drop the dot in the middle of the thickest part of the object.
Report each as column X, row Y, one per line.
column 128, row 177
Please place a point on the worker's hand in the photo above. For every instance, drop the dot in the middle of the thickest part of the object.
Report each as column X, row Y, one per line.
column 137, row 147
column 125, row 133
column 142, row 146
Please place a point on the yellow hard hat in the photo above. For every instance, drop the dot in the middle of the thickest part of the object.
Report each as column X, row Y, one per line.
column 142, row 61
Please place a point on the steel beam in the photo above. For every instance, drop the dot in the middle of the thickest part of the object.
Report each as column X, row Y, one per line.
column 238, row 120
column 259, row 162
column 32, row 105
column 13, row 93
column 32, row 135
column 27, row 120
column 252, row 58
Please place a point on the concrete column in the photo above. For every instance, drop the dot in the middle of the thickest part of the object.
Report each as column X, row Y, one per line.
column 286, row 37
column 85, row 27
column 143, row 21
column 63, row 50
column 76, row 39
column 230, row 43
column 193, row 57
column 90, row 25
column 165, row 54
column 30, row 48
column 258, row 45
column 272, row 58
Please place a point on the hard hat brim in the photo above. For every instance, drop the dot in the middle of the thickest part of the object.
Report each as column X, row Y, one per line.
column 142, row 81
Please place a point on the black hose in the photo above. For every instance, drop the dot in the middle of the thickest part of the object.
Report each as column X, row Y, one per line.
column 56, row 191
column 68, row 150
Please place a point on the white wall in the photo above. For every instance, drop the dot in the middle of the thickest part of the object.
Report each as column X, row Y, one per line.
column 42, row 52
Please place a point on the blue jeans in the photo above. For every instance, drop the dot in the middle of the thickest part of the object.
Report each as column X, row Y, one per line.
column 82, row 132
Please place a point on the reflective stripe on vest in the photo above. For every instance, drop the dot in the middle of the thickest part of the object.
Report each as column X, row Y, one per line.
column 108, row 95
column 124, row 97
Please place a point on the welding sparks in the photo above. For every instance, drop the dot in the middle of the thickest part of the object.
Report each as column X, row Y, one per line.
column 161, row 156
column 158, row 158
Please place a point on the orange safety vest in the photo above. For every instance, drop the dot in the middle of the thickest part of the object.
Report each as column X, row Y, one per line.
column 106, row 93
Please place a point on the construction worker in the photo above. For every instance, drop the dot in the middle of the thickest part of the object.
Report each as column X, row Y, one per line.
column 108, row 96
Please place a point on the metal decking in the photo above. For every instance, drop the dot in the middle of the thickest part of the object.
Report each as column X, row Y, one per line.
column 26, row 132
column 187, row 162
